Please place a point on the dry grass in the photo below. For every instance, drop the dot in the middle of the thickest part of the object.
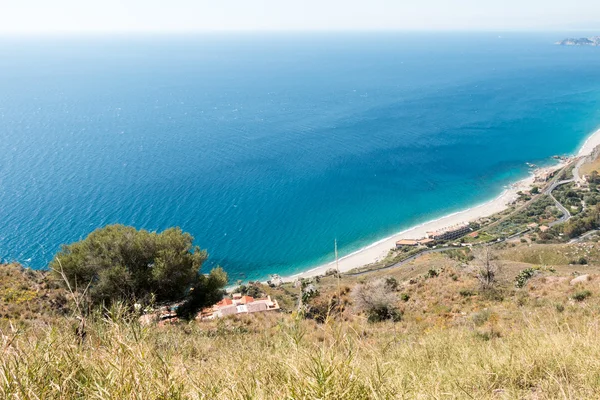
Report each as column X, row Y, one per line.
column 588, row 167
column 554, row 254
column 27, row 295
column 551, row 355
column 453, row 342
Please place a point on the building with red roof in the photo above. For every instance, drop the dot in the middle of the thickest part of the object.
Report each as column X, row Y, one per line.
column 238, row 305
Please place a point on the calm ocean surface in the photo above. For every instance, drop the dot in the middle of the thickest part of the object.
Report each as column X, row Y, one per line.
column 267, row 148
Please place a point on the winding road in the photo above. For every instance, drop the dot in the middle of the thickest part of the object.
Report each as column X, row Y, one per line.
column 566, row 214
column 584, row 236
column 576, row 178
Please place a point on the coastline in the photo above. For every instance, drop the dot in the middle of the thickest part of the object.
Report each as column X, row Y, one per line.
column 590, row 144
column 378, row 250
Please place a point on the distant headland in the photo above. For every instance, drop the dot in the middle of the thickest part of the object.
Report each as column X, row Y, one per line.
column 591, row 41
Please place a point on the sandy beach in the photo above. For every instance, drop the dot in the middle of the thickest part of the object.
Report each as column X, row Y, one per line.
column 590, row 144
column 380, row 249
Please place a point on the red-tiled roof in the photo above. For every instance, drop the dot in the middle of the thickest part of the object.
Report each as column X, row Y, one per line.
column 225, row 302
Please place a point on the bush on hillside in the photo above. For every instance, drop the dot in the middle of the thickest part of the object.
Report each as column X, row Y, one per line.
column 120, row 263
column 378, row 300
column 524, row 276
column 488, row 267
column 432, row 273
column 392, row 283
column 582, row 295
column 252, row 290
column 321, row 308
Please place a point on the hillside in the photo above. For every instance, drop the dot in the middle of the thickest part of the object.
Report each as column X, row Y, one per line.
column 27, row 295
column 539, row 341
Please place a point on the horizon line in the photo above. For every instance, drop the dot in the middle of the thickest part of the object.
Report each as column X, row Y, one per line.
column 288, row 31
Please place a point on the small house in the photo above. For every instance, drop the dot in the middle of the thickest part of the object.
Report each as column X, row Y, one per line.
column 406, row 243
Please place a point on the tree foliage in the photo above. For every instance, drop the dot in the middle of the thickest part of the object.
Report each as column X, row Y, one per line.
column 121, row 263
column 580, row 224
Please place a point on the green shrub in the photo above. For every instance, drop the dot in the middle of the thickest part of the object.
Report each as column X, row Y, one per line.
column 432, row 273
column 524, row 276
column 321, row 308
column 582, row 295
column 252, row 290
column 121, row 263
column 383, row 313
column 377, row 300
column 392, row 283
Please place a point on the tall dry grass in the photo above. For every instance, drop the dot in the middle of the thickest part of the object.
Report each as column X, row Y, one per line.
column 543, row 353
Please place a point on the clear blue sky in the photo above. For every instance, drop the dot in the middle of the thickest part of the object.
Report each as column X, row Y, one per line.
column 30, row 16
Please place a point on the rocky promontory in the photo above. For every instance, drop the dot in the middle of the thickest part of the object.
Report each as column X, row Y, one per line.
column 591, row 41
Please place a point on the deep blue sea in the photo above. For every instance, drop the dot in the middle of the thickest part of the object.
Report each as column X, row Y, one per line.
column 266, row 148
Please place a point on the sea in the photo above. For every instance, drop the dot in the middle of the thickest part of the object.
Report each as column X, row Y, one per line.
column 268, row 147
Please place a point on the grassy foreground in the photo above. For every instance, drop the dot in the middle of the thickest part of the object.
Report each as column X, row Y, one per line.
column 537, row 342
column 548, row 356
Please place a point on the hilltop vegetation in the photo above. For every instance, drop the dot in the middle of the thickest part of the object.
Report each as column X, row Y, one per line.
column 119, row 263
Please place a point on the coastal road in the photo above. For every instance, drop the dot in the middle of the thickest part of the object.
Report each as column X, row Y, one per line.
column 403, row 262
column 584, row 236
column 548, row 188
column 566, row 214
column 576, row 178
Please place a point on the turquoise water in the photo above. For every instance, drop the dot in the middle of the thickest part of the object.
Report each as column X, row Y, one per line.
column 267, row 148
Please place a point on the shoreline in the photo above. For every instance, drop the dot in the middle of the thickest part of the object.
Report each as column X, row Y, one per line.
column 379, row 249
column 590, row 144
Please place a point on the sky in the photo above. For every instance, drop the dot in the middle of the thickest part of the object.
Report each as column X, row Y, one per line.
column 113, row 16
